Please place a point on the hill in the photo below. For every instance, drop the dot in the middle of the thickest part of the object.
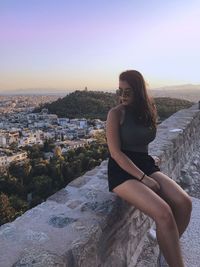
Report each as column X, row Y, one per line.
column 96, row 104
column 79, row 104
column 166, row 106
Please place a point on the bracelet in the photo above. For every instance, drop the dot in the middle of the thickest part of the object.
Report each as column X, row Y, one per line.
column 142, row 177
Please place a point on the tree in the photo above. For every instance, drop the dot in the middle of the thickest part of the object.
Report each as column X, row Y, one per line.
column 92, row 164
column 14, row 146
column 85, row 163
column 80, row 150
column 15, row 170
column 62, row 137
column 40, row 169
column 100, row 137
column 35, row 152
column 6, row 211
column 71, row 154
column 58, row 152
column 17, row 203
column 11, row 186
column 48, row 145
column 20, row 171
column 26, row 169
column 67, row 172
column 41, row 185
column 76, row 167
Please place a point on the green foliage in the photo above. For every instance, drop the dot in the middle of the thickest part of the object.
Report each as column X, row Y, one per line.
column 95, row 105
column 48, row 145
column 17, row 203
column 100, row 137
column 39, row 169
column 7, row 212
column 35, row 151
column 14, row 146
column 41, row 185
column 79, row 104
column 20, row 171
column 166, row 106
column 9, row 186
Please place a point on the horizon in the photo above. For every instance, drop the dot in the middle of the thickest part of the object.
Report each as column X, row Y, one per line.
column 53, row 91
column 46, row 45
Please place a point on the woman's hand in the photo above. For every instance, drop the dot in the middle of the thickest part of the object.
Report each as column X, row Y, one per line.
column 151, row 183
column 157, row 160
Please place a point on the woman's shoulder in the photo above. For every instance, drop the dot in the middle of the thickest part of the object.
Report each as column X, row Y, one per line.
column 117, row 109
column 117, row 113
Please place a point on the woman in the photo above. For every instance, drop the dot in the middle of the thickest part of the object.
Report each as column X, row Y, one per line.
column 133, row 174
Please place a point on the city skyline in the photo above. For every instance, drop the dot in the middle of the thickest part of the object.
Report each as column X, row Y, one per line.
column 70, row 45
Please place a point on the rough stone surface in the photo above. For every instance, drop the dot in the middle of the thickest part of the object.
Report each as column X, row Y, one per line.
column 39, row 258
column 86, row 225
column 190, row 241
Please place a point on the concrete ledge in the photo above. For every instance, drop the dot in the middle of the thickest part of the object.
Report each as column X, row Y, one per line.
column 86, row 225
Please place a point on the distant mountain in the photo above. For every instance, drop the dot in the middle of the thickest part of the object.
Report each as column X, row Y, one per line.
column 36, row 91
column 188, row 92
column 180, row 87
column 95, row 104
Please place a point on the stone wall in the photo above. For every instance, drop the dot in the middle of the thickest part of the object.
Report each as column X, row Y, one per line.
column 86, row 225
column 177, row 139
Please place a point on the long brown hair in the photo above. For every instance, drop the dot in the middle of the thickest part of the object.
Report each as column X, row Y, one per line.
column 144, row 106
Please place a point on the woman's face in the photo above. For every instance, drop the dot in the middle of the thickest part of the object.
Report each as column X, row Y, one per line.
column 125, row 93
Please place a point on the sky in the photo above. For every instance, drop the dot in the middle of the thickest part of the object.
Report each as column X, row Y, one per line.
column 63, row 44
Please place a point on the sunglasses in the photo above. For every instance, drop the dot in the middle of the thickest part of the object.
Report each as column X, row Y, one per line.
column 127, row 92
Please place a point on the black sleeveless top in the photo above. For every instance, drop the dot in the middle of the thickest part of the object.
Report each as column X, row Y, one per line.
column 135, row 137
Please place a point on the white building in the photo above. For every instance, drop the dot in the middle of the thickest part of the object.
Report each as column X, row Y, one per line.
column 5, row 160
column 63, row 121
column 83, row 123
column 8, row 137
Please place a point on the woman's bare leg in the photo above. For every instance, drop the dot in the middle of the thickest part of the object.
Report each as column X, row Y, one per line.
column 146, row 200
column 179, row 201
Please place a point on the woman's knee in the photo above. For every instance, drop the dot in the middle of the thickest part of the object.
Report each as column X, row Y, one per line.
column 165, row 217
column 184, row 203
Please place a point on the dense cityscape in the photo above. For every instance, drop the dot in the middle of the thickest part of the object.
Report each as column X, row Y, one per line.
column 20, row 127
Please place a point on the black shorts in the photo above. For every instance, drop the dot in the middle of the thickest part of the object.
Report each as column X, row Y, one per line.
column 116, row 175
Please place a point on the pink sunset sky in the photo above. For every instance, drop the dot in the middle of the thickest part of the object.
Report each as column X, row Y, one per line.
column 73, row 44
